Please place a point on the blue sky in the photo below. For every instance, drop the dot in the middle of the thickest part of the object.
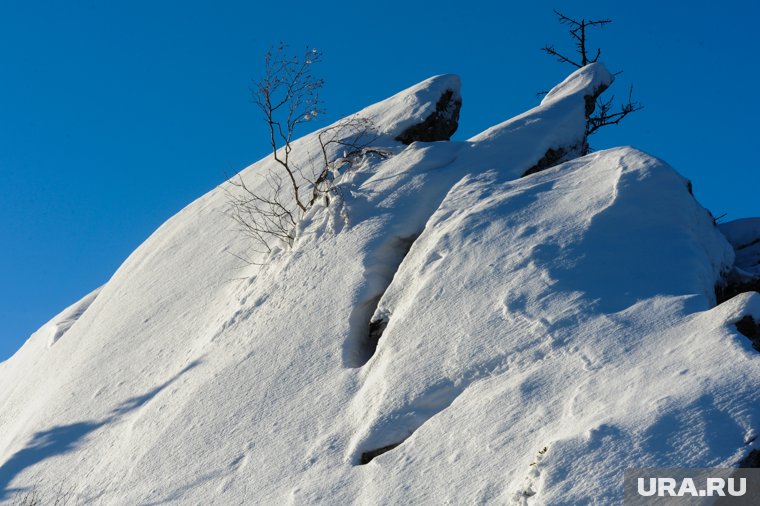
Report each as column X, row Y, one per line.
column 114, row 115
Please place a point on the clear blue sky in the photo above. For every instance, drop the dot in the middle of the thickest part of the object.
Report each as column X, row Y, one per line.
column 114, row 115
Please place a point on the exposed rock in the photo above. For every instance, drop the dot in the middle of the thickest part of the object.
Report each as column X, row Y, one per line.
column 591, row 99
column 748, row 327
column 734, row 284
column 751, row 461
column 744, row 236
column 440, row 125
column 376, row 329
column 367, row 457
column 550, row 159
column 555, row 156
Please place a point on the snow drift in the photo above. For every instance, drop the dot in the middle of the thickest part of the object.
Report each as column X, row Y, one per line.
column 447, row 333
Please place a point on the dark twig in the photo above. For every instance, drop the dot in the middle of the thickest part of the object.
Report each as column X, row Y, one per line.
column 604, row 116
column 578, row 34
column 604, row 112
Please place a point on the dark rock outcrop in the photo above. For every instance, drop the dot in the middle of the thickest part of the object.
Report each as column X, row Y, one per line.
column 744, row 237
column 751, row 461
column 590, row 100
column 551, row 158
column 440, row 125
column 734, row 284
column 555, row 156
column 376, row 329
column 748, row 327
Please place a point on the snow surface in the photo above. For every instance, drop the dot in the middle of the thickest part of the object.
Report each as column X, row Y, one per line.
column 544, row 334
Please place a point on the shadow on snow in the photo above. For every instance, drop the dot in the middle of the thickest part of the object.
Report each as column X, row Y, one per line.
column 63, row 439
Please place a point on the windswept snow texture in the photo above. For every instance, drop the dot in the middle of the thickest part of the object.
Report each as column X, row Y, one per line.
column 542, row 335
column 58, row 326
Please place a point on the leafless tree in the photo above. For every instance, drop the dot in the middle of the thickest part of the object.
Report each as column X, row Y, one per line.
column 578, row 34
column 268, row 211
column 288, row 95
column 605, row 112
column 604, row 115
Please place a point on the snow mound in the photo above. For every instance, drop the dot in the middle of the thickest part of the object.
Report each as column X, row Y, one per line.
column 443, row 332
column 550, row 133
column 411, row 106
column 586, row 81
column 542, row 319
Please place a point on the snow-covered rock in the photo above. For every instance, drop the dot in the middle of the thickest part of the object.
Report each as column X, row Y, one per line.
column 554, row 131
column 435, row 100
column 533, row 338
column 440, row 125
column 744, row 276
column 744, row 236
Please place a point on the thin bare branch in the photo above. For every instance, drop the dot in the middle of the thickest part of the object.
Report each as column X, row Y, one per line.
column 578, row 33
column 560, row 57
column 288, row 96
column 603, row 113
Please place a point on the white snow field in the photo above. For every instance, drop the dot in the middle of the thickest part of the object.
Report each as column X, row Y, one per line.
column 531, row 339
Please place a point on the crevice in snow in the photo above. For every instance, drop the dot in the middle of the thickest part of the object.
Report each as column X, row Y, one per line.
column 367, row 456
column 390, row 429
column 376, row 328
column 367, row 316
column 395, row 428
column 381, row 317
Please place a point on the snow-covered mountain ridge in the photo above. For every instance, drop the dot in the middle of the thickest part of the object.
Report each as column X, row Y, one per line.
column 447, row 332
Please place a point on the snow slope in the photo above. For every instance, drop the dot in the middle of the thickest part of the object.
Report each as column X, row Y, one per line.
column 541, row 335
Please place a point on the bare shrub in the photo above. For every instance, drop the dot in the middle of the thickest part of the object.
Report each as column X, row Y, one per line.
column 60, row 497
column 268, row 211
